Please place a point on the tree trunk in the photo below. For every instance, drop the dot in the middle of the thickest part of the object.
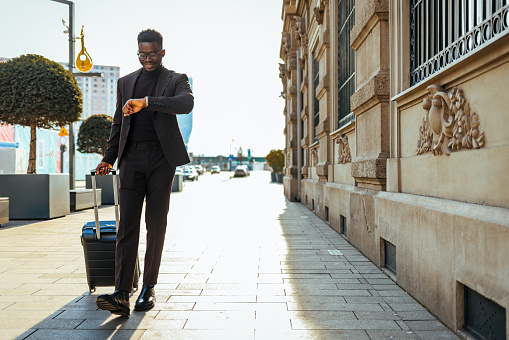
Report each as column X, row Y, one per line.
column 33, row 150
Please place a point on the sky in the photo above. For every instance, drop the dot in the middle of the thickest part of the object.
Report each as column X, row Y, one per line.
column 229, row 47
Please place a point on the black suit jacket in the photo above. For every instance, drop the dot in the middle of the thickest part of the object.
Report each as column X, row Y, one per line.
column 173, row 96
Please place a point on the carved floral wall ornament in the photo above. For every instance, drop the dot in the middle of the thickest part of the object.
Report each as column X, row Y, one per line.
column 314, row 156
column 343, row 150
column 449, row 125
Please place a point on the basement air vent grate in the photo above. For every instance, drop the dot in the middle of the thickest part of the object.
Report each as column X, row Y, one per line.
column 343, row 225
column 484, row 318
column 390, row 257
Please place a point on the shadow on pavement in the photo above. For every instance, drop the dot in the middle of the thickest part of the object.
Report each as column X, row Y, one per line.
column 81, row 319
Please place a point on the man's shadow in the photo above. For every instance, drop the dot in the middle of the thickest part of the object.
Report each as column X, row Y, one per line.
column 81, row 319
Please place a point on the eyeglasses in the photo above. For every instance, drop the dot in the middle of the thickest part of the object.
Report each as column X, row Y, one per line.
column 150, row 55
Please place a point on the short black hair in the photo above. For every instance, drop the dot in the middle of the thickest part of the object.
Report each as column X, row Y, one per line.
column 150, row 35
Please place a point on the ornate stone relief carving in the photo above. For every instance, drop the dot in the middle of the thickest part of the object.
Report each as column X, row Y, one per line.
column 282, row 71
column 300, row 24
column 319, row 12
column 449, row 125
column 314, row 156
column 343, row 150
column 287, row 42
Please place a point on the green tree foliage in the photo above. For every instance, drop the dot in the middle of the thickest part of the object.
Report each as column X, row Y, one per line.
column 94, row 133
column 276, row 160
column 40, row 93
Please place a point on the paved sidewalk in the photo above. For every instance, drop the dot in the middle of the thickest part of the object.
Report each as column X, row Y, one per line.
column 240, row 262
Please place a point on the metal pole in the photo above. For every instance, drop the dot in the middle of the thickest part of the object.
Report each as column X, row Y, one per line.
column 62, row 150
column 71, row 64
column 299, row 124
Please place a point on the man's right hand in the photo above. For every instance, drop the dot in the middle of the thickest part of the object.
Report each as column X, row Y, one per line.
column 103, row 169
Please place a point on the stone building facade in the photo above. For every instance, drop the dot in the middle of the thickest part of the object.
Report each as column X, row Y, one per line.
column 396, row 135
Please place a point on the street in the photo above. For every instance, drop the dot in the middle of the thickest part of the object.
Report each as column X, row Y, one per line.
column 240, row 262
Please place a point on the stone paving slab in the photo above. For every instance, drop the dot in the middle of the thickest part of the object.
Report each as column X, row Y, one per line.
column 245, row 264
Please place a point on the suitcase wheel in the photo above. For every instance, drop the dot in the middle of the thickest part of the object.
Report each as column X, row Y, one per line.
column 92, row 289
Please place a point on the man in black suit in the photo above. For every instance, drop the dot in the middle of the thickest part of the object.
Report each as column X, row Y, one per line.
column 145, row 139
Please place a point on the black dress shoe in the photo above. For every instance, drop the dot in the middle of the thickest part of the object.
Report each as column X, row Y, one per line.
column 146, row 300
column 117, row 303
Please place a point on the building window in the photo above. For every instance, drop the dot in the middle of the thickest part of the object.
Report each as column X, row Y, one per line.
column 316, row 102
column 442, row 32
column 346, row 61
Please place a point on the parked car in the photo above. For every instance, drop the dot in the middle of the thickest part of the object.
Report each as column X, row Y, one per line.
column 199, row 169
column 241, row 171
column 190, row 173
column 179, row 170
column 215, row 169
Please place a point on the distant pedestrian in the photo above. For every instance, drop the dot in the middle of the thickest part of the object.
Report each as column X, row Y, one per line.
column 146, row 141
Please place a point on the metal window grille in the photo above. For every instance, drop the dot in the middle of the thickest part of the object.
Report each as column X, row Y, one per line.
column 316, row 103
column 346, row 61
column 442, row 32
column 484, row 318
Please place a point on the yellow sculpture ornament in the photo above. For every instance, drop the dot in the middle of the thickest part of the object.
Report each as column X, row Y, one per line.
column 83, row 61
column 449, row 125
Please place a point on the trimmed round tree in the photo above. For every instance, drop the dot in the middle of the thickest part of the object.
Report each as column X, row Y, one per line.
column 276, row 160
column 94, row 133
column 38, row 93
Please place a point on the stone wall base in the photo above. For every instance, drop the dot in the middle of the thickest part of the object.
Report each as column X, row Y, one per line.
column 441, row 245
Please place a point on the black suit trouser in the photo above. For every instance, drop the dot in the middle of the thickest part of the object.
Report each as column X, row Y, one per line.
column 144, row 174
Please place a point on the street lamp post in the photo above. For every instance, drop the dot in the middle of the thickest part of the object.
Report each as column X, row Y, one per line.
column 71, row 64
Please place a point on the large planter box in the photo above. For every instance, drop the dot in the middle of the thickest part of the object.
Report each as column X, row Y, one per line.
column 84, row 199
column 38, row 196
column 4, row 210
column 106, row 184
column 13, row 161
column 178, row 183
column 280, row 178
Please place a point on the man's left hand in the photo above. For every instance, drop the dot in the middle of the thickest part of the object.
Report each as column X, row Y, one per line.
column 133, row 106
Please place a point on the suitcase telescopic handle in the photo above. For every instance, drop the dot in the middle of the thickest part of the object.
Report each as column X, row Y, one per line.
column 115, row 198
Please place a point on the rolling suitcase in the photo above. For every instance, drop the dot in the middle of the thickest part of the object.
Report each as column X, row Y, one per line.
column 99, row 239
